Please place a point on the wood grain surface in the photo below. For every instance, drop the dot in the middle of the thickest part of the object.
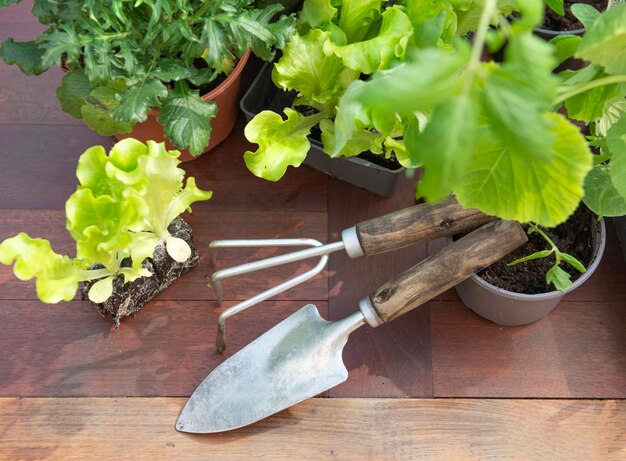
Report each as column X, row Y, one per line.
column 338, row 429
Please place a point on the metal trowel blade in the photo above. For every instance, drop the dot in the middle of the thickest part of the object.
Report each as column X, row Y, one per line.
column 295, row 360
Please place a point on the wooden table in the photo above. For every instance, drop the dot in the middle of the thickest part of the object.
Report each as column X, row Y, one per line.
column 440, row 383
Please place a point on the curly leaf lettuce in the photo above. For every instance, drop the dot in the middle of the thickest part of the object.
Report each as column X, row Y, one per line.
column 282, row 143
column 57, row 276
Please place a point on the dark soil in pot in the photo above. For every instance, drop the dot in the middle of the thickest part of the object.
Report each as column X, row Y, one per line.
column 553, row 21
column 574, row 236
column 127, row 299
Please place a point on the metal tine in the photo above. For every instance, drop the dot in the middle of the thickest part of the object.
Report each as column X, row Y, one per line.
column 318, row 249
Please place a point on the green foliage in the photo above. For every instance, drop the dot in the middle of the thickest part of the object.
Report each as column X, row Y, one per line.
column 127, row 56
column 121, row 209
column 555, row 275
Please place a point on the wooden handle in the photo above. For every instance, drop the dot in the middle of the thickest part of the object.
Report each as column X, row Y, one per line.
column 450, row 266
column 426, row 221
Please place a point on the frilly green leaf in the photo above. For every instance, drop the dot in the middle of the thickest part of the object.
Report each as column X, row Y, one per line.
column 57, row 276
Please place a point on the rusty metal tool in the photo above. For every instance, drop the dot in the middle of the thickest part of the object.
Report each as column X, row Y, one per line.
column 301, row 356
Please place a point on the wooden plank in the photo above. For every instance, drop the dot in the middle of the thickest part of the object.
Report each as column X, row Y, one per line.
column 166, row 350
column 207, row 225
column 39, row 167
column 578, row 351
column 393, row 360
column 342, row 429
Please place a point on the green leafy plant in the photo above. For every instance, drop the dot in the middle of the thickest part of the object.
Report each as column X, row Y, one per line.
column 121, row 209
column 555, row 275
column 125, row 57
column 336, row 44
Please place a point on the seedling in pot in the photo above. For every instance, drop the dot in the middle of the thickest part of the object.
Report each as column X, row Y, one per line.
column 118, row 215
column 556, row 276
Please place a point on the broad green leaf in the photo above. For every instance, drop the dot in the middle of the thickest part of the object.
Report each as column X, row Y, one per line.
column 536, row 255
column 304, row 67
column 380, row 51
column 469, row 14
column 510, row 186
column 73, row 92
column 586, row 14
column 430, row 77
column 101, row 121
column 445, row 147
column 101, row 290
column 616, row 142
column 613, row 111
column 589, row 105
column 565, row 46
column 432, row 21
column 356, row 17
column 601, row 196
column 572, row 261
column 559, row 278
column 136, row 100
column 123, row 163
column 186, row 118
column 57, row 276
column 316, row 13
column 604, row 43
column 26, row 55
column 282, row 143
column 556, row 6
column 514, row 105
column 360, row 141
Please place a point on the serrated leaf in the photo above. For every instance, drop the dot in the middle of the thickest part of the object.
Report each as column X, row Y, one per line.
column 445, row 147
column 380, row 51
column 305, row 67
column 282, row 143
column 509, row 186
column 604, row 43
column 136, row 100
column 26, row 55
column 183, row 200
column 559, row 278
column 57, row 276
column 186, row 118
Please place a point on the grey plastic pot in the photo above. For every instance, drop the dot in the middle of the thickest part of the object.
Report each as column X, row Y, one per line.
column 382, row 181
column 548, row 34
column 513, row 309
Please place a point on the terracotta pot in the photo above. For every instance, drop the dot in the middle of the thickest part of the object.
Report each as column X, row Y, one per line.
column 508, row 308
column 224, row 95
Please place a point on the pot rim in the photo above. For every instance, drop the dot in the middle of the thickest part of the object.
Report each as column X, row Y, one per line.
column 580, row 31
column 595, row 262
column 219, row 89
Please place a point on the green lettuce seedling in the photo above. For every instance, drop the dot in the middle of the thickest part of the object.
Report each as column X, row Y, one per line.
column 121, row 209
column 556, row 275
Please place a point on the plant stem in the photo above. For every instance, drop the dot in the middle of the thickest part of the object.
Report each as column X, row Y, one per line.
column 555, row 250
column 92, row 274
column 577, row 89
column 481, row 32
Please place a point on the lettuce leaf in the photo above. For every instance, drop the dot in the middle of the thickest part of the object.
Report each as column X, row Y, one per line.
column 605, row 41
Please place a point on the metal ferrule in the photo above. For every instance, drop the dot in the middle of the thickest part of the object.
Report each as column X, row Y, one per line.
column 370, row 315
column 351, row 242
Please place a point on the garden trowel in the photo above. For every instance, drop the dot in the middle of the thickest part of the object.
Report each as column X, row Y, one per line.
column 302, row 356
